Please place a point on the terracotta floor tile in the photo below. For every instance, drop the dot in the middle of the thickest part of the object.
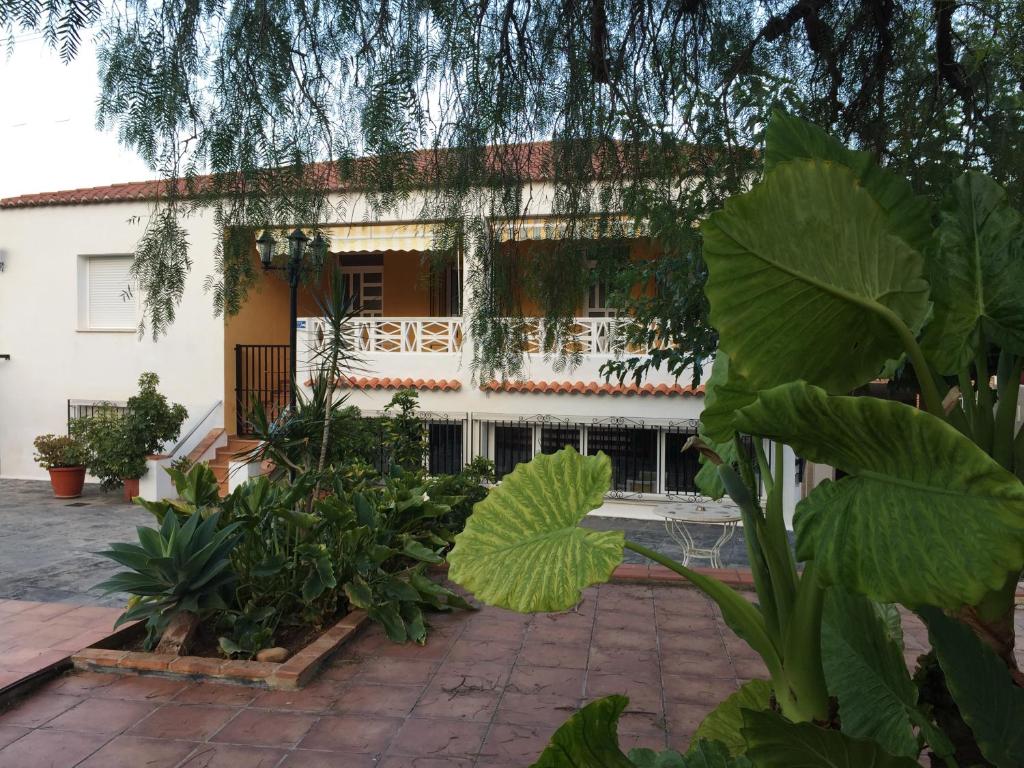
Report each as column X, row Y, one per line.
column 699, row 666
column 50, row 749
column 217, row 693
column 503, row 632
column 38, row 709
column 514, row 744
column 547, row 680
column 143, row 688
column 9, row 733
column 188, row 722
column 307, row 758
column 468, row 649
column 298, row 701
column 534, row 709
column 640, row 639
column 398, row 671
column 265, row 728
column 564, row 655
column 686, row 716
column 640, row 665
column 79, row 683
column 230, row 756
column 136, row 752
column 697, row 689
column 102, row 716
column 352, row 733
column 378, row 699
column 458, row 703
column 642, row 695
column 407, row 761
column 476, row 675
column 438, row 738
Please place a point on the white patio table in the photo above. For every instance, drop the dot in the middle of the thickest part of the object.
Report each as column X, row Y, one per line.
column 679, row 515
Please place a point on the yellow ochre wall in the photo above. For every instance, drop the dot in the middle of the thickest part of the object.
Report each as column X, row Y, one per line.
column 263, row 319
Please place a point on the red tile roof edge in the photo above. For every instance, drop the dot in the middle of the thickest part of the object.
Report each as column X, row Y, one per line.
column 592, row 388
column 531, row 160
column 437, row 385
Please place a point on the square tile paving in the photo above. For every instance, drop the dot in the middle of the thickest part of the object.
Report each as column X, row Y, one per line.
column 36, row 636
column 488, row 689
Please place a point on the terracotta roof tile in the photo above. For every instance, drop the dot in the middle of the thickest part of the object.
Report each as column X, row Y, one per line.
column 531, row 161
column 592, row 388
column 439, row 385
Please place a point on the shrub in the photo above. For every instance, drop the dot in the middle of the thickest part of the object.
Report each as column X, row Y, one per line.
column 120, row 440
column 56, row 451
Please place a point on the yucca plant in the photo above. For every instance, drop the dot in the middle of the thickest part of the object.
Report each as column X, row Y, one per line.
column 174, row 569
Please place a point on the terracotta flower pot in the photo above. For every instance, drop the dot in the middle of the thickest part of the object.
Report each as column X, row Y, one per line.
column 67, row 482
column 131, row 487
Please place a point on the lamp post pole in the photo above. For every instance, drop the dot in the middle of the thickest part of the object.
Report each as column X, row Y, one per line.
column 297, row 241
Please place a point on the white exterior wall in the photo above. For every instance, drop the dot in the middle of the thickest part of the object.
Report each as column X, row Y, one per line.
column 52, row 361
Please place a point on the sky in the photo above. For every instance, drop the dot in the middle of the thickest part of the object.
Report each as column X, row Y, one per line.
column 48, row 135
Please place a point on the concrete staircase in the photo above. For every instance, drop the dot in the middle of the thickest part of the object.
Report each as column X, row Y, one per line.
column 220, row 464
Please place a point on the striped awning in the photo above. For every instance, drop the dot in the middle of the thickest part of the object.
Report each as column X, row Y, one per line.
column 375, row 238
column 553, row 228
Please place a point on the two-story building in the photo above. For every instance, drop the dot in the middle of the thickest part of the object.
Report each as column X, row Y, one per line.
column 69, row 319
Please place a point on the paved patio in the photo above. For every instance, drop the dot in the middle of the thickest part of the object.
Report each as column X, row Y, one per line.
column 48, row 545
column 488, row 689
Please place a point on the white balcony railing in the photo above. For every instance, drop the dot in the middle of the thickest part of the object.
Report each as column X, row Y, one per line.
column 444, row 335
column 439, row 335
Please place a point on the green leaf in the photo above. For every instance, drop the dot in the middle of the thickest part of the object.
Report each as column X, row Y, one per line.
column 387, row 615
column 417, row 551
column 703, row 754
column 866, row 672
column 725, row 393
column 925, row 517
column 806, row 280
column 359, row 594
column 774, row 742
column 725, row 722
column 588, row 739
column 790, row 138
column 522, row 547
column 977, row 274
column 982, row 688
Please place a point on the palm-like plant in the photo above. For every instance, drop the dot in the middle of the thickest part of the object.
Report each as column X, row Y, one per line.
column 175, row 569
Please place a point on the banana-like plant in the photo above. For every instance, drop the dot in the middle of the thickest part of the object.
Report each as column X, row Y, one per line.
column 826, row 273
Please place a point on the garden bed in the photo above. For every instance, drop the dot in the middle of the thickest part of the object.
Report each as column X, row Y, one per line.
column 115, row 654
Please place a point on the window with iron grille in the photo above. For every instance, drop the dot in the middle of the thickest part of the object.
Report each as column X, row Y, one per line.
column 512, row 445
column 556, row 438
column 681, row 466
column 634, row 455
column 444, row 454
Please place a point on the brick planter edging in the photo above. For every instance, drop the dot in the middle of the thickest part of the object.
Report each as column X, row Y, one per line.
column 739, row 578
column 290, row 674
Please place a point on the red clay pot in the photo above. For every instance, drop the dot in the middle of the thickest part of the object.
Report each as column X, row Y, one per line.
column 131, row 487
column 67, row 482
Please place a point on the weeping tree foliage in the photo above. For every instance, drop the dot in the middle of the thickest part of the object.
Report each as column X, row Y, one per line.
column 649, row 111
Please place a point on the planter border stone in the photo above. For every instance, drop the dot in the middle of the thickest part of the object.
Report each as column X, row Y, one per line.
column 109, row 655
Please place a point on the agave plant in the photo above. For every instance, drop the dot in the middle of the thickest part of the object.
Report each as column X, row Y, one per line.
column 174, row 569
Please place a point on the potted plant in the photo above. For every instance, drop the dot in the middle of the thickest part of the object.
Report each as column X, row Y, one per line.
column 64, row 457
column 120, row 439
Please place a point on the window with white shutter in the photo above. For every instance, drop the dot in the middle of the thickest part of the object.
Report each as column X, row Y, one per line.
column 108, row 294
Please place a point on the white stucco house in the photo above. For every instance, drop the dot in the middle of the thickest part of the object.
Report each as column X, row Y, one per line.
column 68, row 340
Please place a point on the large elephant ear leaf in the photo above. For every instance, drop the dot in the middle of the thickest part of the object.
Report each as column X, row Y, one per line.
column 807, row 281
column 725, row 722
column 790, row 138
column 588, row 739
column 982, row 688
column 522, row 547
column 941, row 530
column 725, row 392
column 865, row 671
column 977, row 274
column 774, row 742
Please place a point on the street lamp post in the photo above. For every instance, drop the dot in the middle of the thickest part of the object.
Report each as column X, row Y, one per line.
column 297, row 242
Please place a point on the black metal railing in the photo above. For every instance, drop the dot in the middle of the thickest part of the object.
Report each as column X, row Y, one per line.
column 262, row 376
column 79, row 409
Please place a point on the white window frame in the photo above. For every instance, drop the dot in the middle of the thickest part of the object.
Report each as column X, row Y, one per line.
column 84, row 326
